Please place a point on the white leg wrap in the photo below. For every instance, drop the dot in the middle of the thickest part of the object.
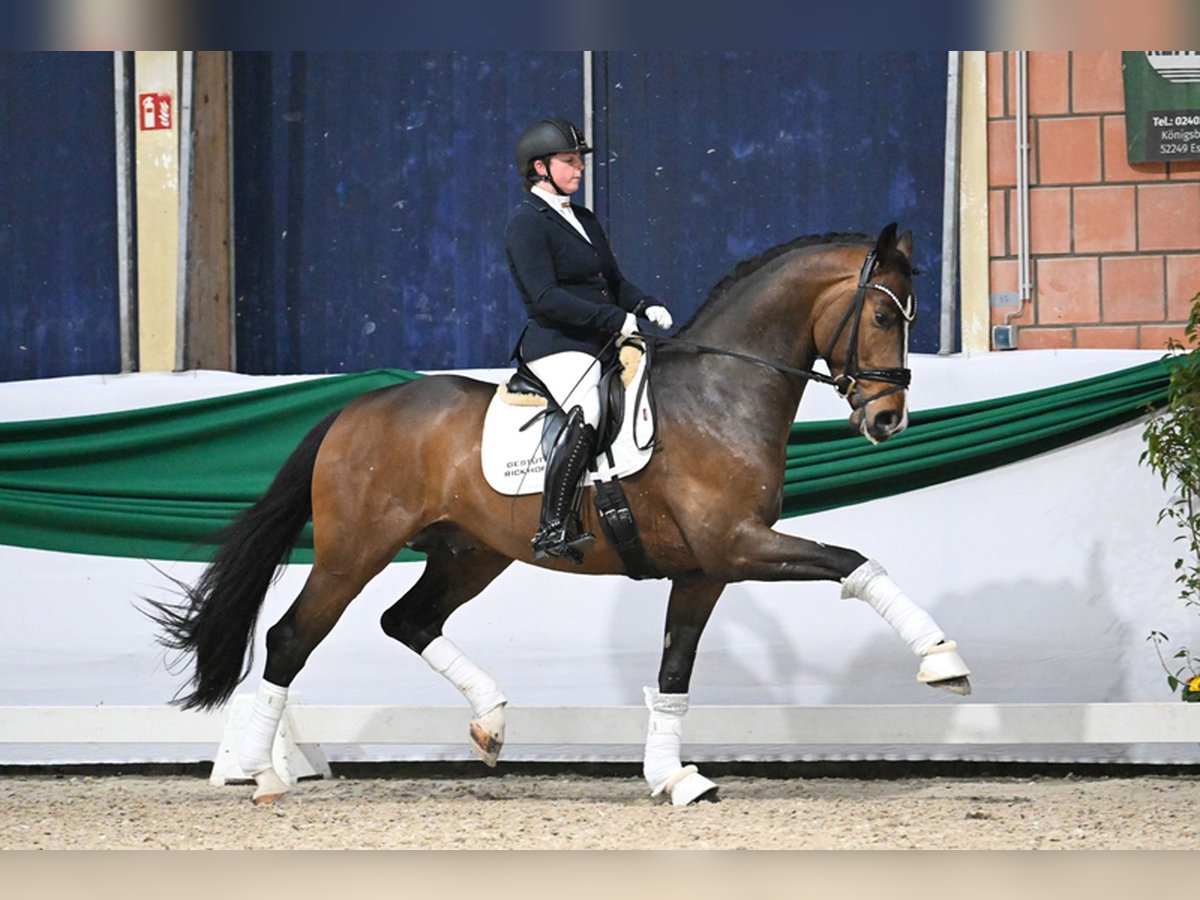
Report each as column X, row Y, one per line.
column 480, row 689
column 661, row 765
column 872, row 584
column 254, row 749
column 663, row 738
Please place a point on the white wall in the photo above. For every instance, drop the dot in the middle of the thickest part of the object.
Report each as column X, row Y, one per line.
column 1049, row 573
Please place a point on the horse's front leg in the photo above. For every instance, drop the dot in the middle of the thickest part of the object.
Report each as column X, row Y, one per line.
column 691, row 604
column 941, row 666
column 758, row 553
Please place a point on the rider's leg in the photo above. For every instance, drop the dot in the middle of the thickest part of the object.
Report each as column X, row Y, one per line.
column 558, row 532
column 573, row 379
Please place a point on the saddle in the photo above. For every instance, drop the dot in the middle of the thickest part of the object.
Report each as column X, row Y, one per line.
column 522, row 422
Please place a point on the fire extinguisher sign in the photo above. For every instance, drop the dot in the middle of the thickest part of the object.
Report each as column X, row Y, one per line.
column 154, row 112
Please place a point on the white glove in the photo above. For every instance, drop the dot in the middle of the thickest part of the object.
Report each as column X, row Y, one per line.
column 659, row 316
column 630, row 325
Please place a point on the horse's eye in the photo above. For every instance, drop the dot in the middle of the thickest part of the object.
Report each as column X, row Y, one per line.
column 882, row 319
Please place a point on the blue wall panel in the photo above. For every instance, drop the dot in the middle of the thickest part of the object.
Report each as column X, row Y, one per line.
column 372, row 190
column 711, row 158
column 58, row 220
column 371, row 193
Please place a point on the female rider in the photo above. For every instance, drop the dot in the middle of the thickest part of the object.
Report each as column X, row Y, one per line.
column 579, row 306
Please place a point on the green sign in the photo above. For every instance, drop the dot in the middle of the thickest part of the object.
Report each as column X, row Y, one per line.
column 1162, row 104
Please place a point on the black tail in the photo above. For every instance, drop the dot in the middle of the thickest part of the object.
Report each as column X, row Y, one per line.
column 215, row 622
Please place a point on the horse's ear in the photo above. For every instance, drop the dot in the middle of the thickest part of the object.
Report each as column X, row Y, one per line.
column 904, row 245
column 887, row 242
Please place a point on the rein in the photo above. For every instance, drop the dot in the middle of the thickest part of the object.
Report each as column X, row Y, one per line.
column 842, row 383
column 899, row 377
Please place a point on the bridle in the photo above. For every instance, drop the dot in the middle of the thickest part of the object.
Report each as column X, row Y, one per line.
column 847, row 383
column 898, row 377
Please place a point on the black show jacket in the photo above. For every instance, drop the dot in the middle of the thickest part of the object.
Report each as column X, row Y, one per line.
column 575, row 294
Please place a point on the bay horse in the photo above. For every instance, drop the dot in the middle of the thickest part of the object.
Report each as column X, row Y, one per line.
column 401, row 467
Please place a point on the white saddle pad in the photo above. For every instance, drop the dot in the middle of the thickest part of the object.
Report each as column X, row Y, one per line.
column 512, row 459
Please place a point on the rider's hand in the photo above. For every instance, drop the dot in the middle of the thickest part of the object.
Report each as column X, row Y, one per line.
column 630, row 325
column 659, row 316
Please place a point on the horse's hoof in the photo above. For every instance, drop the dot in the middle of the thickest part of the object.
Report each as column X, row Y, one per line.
column 487, row 735
column 269, row 787
column 694, row 789
column 688, row 786
column 943, row 668
column 960, row 686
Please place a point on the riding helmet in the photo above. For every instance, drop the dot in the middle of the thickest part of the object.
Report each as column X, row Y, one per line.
column 545, row 138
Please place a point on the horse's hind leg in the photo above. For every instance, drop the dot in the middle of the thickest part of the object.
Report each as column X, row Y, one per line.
column 692, row 602
column 316, row 609
column 456, row 571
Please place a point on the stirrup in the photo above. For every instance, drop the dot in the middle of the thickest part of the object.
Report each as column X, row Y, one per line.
column 558, row 551
column 556, row 542
column 581, row 539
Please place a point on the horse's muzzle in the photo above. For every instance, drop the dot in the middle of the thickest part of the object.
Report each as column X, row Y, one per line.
column 879, row 426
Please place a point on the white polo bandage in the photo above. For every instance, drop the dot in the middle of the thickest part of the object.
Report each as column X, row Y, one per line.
column 254, row 749
column 480, row 689
column 663, row 738
column 871, row 583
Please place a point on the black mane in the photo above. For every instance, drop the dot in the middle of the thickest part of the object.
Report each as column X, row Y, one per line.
column 749, row 266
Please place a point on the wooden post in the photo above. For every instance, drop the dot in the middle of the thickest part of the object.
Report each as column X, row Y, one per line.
column 973, row 208
column 156, row 98
column 208, row 281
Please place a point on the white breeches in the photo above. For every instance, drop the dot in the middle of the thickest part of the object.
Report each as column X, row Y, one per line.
column 573, row 379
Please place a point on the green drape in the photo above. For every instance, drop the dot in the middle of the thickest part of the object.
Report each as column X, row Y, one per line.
column 155, row 483
column 827, row 468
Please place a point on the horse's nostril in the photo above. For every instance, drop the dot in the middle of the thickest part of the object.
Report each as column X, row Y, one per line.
column 887, row 420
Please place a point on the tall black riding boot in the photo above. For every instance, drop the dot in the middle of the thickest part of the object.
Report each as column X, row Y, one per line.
column 559, row 534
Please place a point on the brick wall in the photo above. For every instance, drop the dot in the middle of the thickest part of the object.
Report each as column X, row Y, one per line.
column 1115, row 248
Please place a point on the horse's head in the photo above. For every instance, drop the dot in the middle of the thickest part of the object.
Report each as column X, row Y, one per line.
column 863, row 334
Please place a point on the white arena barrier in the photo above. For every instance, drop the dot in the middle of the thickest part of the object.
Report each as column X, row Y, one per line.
column 299, row 753
column 1049, row 573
